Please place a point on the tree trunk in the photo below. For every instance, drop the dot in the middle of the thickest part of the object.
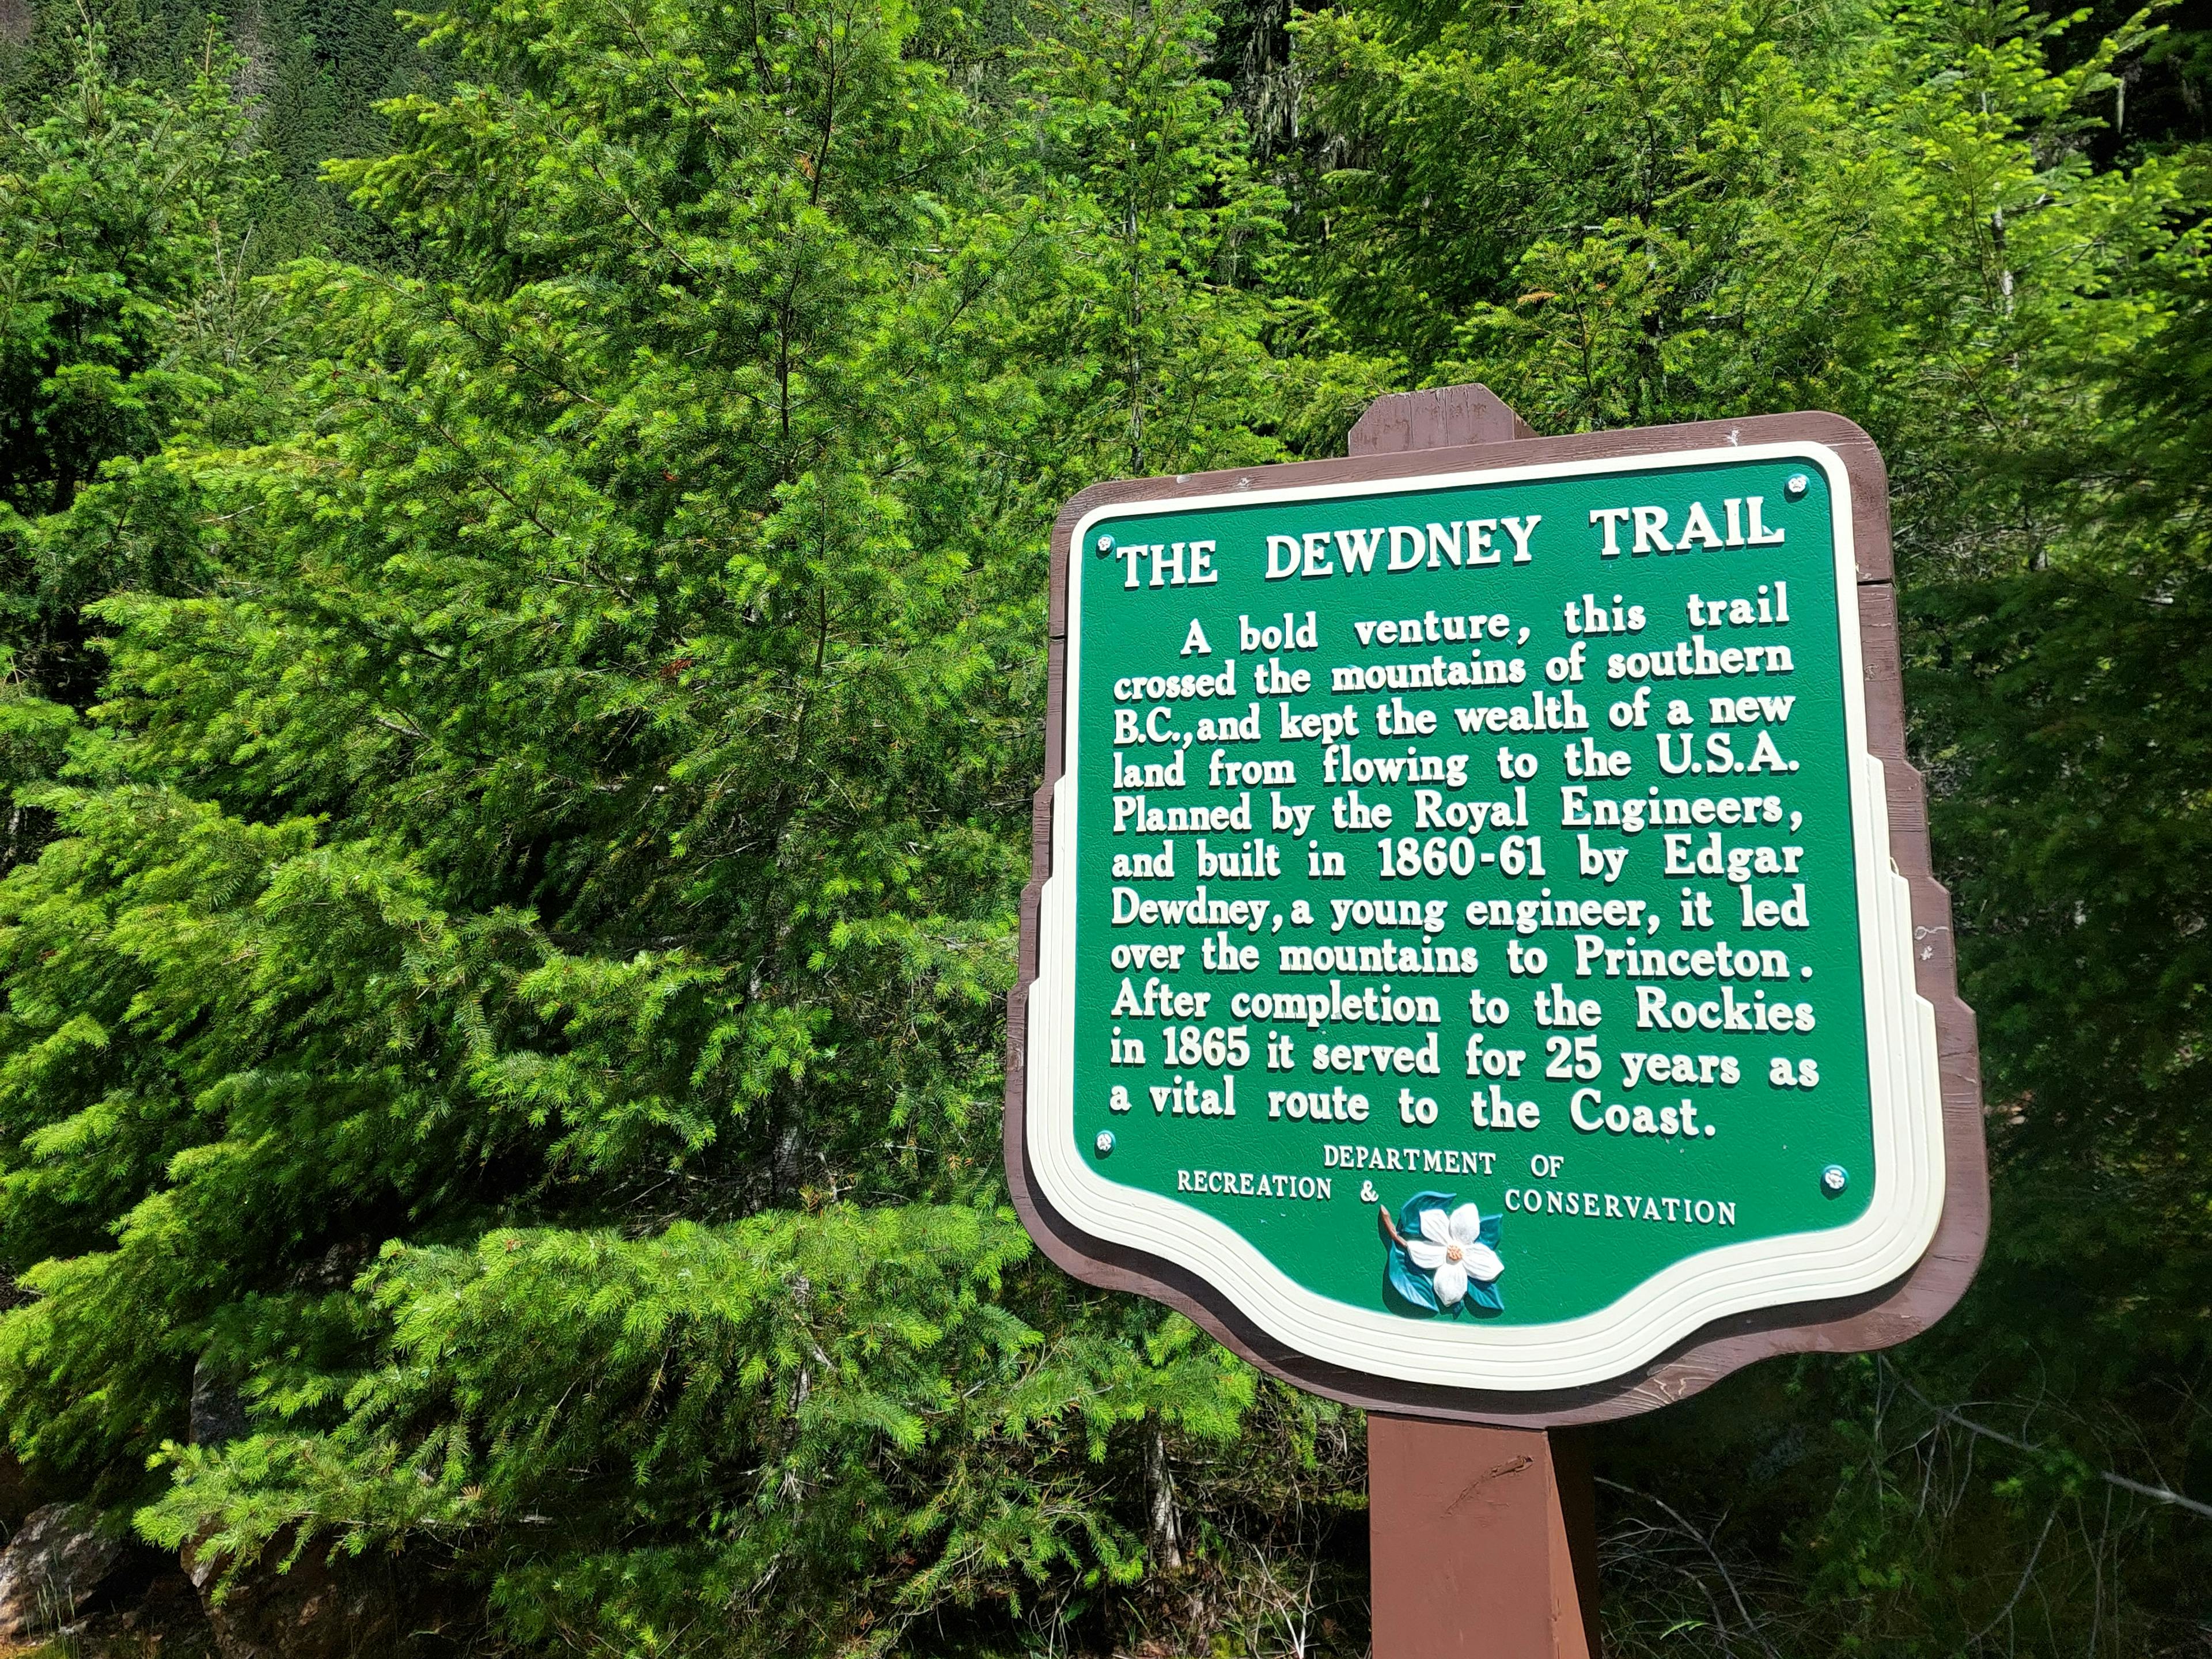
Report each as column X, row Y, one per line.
column 1166, row 1531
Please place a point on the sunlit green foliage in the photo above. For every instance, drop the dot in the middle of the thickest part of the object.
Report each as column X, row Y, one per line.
column 557, row 802
column 522, row 726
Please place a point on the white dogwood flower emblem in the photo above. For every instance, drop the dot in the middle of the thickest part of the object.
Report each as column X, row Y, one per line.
column 1450, row 1251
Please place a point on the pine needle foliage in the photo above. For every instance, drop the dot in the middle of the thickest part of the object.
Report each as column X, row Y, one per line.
column 520, row 726
column 516, row 986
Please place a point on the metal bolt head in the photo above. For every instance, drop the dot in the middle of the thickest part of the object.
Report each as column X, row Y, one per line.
column 1834, row 1179
column 1798, row 484
column 1105, row 544
column 1104, row 1142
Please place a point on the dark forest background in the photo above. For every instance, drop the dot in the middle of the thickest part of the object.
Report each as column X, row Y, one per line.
column 522, row 578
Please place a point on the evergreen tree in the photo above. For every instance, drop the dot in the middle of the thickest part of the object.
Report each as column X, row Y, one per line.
column 127, row 217
column 536, row 914
column 521, row 729
column 1634, row 213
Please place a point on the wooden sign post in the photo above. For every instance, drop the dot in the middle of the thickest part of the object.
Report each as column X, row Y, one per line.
column 1478, row 1536
column 1481, row 960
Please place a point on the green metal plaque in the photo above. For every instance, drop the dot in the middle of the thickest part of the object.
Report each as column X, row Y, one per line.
column 1472, row 950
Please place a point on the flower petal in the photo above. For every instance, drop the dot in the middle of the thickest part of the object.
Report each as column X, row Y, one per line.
column 1435, row 1228
column 1451, row 1283
column 1427, row 1257
column 1482, row 1261
column 1467, row 1224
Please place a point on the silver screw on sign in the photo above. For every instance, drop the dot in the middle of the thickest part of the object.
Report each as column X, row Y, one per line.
column 1834, row 1179
column 1104, row 1142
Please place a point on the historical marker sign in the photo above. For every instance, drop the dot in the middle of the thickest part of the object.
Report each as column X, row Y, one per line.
column 1483, row 959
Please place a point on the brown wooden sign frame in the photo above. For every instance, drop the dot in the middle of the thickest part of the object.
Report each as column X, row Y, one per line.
column 1430, row 432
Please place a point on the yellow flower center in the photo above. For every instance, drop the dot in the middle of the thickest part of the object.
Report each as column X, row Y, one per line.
column 1453, row 1253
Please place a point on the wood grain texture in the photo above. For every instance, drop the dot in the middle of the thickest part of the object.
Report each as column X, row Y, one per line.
column 1877, row 1319
column 1482, row 1542
column 1445, row 417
